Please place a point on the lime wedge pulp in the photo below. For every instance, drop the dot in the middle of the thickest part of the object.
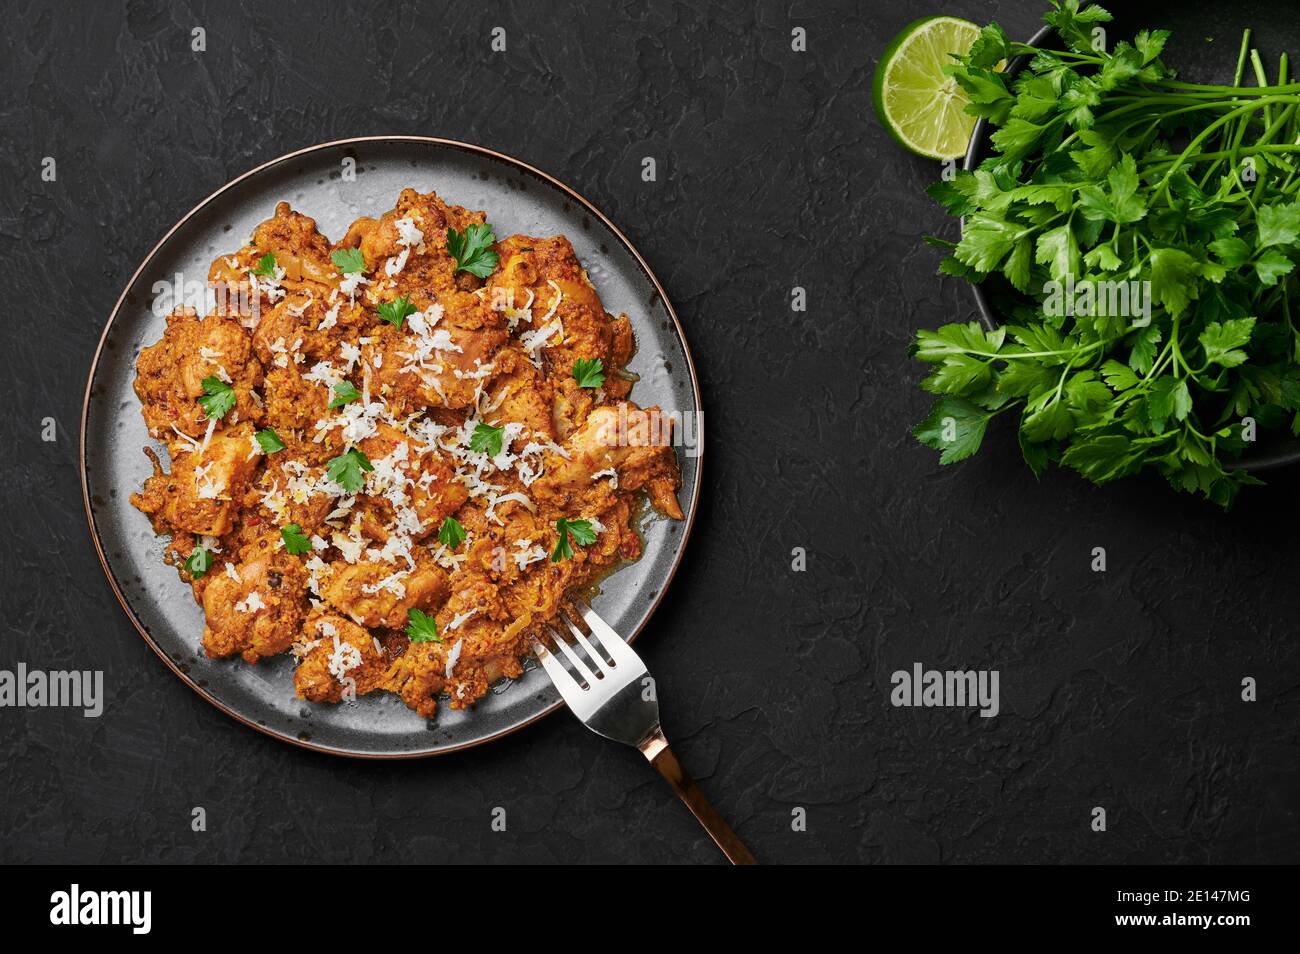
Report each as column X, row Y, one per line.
column 923, row 108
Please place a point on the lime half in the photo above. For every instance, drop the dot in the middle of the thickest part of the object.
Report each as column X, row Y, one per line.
column 923, row 108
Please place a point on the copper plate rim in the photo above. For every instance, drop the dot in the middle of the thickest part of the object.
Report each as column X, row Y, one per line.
column 333, row 144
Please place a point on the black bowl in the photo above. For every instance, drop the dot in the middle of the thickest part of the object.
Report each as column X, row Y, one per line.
column 1203, row 48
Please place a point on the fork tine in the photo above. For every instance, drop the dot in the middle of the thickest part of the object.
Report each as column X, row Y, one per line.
column 560, row 676
column 597, row 659
column 576, row 660
column 613, row 644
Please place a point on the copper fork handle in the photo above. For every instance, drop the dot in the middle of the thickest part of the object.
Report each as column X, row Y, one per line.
column 655, row 749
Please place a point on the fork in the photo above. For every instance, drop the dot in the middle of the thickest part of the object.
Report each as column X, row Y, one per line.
column 608, row 694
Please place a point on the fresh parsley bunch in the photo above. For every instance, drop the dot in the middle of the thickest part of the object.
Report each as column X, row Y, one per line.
column 1112, row 175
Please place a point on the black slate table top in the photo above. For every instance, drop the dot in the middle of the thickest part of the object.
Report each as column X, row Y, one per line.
column 1119, row 689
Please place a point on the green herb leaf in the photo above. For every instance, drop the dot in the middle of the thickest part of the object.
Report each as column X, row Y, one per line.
column 269, row 441
column 295, row 541
column 1150, row 43
column 986, row 90
column 1058, row 250
column 990, row 48
column 218, row 400
column 1050, row 422
column 1223, row 341
column 395, row 312
column 1074, row 25
column 1103, row 457
column 1167, row 398
column 472, row 250
column 589, row 372
column 421, row 627
column 345, row 392
column 1175, row 278
column 1279, row 224
column 348, row 260
column 1119, row 376
column 955, row 427
column 198, row 562
column 265, row 266
column 1271, row 266
column 988, row 239
column 1119, row 201
column 451, row 534
column 348, row 470
column 958, row 339
column 1232, row 252
column 486, row 439
column 580, row 530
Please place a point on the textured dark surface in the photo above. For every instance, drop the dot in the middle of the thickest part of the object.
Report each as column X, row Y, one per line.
column 1119, row 689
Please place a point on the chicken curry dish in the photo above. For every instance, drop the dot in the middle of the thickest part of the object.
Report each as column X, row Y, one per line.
column 398, row 462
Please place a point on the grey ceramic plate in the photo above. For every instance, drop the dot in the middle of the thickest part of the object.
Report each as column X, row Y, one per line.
column 1203, row 48
column 517, row 199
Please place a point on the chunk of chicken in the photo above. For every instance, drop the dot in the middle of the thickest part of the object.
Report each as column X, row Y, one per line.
column 294, row 407
column 287, row 492
column 635, row 443
column 298, row 246
column 427, row 266
column 170, row 374
column 306, row 328
column 419, row 488
column 518, row 392
column 258, row 610
column 418, row 676
column 443, row 365
column 203, row 492
column 565, row 318
column 335, row 656
column 479, row 645
column 380, row 594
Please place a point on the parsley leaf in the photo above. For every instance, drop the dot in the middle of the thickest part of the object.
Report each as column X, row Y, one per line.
column 1075, row 25
column 955, row 427
column 421, row 627
column 580, row 530
column 295, row 541
column 1119, row 201
column 1174, row 278
column 348, row 470
column 348, row 260
column 198, row 562
column 265, row 266
column 1223, row 341
column 990, row 47
column 1279, row 224
column 220, row 398
column 269, row 441
column 451, row 534
column 395, row 312
column 1150, row 44
column 487, row 438
column 1232, row 252
column 987, row 239
column 986, row 90
column 589, row 372
column 1059, row 251
column 345, row 392
column 472, row 250
column 1271, row 266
